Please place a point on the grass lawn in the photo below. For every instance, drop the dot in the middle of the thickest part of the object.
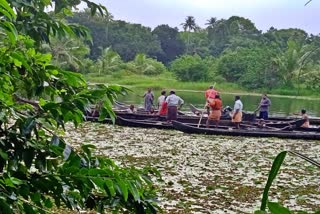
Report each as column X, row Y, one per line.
column 168, row 81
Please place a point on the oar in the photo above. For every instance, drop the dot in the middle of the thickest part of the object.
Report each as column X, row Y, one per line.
column 204, row 108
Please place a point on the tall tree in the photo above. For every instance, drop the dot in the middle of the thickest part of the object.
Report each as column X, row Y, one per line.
column 125, row 38
column 171, row 44
column 211, row 22
column 189, row 25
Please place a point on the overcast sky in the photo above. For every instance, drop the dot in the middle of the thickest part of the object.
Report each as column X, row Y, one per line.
column 264, row 13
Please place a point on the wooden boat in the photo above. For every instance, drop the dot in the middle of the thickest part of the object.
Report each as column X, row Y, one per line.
column 143, row 123
column 245, row 132
column 191, row 119
column 250, row 116
column 165, row 125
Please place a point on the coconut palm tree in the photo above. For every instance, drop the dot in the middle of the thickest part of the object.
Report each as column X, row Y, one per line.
column 67, row 53
column 109, row 61
column 188, row 26
column 211, row 22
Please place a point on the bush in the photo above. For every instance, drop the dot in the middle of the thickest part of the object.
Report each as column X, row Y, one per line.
column 251, row 68
column 191, row 68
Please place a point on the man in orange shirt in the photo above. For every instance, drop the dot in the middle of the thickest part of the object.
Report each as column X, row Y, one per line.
column 210, row 95
column 216, row 107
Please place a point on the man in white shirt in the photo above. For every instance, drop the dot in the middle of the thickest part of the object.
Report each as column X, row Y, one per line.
column 173, row 102
column 237, row 112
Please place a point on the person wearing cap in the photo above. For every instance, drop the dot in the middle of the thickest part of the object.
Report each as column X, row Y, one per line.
column 174, row 103
column 210, row 95
column 237, row 112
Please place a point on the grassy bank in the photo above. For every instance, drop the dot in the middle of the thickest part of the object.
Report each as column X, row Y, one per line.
column 168, row 81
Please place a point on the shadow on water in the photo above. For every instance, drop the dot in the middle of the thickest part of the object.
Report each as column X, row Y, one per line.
column 283, row 106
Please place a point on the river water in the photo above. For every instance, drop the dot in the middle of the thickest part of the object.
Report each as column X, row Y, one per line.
column 281, row 105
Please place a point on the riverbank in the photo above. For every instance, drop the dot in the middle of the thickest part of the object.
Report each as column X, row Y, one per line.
column 168, row 81
column 210, row 174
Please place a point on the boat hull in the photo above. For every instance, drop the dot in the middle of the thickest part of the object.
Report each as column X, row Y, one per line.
column 247, row 133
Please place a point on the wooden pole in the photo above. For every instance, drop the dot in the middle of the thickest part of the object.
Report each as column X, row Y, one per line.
column 202, row 115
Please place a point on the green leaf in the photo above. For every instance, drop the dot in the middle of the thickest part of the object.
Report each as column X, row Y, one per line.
column 99, row 183
column 10, row 31
column 110, row 187
column 134, row 191
column 272, row 175
column 36, row 197
column 276, row 208
column 124, row 189
column 48, row 203
column 7, row 10
column 3, row 155
column 17, row 62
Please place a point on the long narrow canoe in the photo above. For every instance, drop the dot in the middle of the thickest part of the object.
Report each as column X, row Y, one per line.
column 196, row 119
column 164, row 125
column 251, row 116
column 190, row 119
column 249, row 133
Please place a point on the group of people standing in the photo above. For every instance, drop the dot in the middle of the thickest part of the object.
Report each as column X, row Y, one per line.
column 169, row 106
column 214, row 109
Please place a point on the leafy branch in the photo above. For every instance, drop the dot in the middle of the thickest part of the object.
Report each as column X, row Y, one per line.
column 278, row 161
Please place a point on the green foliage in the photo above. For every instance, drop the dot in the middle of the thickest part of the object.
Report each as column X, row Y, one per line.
column 192, row 68
column 197, row 42
column 252, row 59
column 67, row 53
column 38, row 169
column 126, row 39
column 33, row 20
column 272, row 175
column 251, row 67
column 171, row 44
column 144, row 65
column 110, row 61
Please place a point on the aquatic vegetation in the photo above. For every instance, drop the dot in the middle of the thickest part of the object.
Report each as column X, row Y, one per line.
column 210, row 173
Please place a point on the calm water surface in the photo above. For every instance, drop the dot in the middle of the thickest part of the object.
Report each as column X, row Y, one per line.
column 283, row 106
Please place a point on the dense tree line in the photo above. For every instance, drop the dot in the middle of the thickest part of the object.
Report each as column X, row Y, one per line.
column 237, row 50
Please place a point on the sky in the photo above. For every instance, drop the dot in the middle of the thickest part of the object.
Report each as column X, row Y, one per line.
column 264, row 13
